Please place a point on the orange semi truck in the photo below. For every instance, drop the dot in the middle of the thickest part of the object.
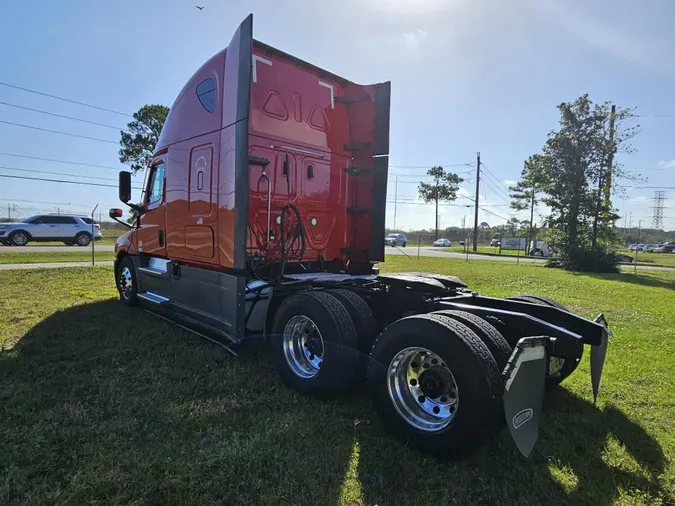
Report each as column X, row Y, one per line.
column 263, row 221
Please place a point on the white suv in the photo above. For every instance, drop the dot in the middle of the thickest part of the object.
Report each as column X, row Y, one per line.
column 70, row 229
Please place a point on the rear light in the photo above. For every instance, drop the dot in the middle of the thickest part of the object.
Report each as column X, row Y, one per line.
column 98, row 227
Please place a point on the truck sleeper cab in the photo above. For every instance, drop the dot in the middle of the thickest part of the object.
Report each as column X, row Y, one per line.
column 263, row 220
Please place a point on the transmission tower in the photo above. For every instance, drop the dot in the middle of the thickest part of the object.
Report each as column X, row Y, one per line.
column 657, row 221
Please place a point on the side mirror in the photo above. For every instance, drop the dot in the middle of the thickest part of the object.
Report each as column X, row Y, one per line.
column 115, row 213
column 125, row 186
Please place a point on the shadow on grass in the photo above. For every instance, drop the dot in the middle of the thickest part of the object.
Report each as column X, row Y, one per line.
column 636, row 279
column 102, row 403
column 566, row 467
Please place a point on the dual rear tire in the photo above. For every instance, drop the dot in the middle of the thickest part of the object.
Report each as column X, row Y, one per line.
column 435, row 379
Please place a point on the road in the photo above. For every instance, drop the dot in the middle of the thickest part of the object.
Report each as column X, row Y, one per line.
column 439, row 253
column 411, row 252
column 55, row 249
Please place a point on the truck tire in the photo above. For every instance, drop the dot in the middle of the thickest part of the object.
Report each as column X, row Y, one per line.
column 126, row 280
column 314, row 345
column 83, row 239
column 454, row 404
column 493, row 339
column 568, row 366
column 362, row 316
column 19, row 238
column 538, row 299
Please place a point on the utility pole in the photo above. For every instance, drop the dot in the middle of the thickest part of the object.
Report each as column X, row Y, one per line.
column 9, row 212
column 630, row 220
column 636, row 249
column 395, row 199
column 610, row 159
column 625, row 225
column 475, row 215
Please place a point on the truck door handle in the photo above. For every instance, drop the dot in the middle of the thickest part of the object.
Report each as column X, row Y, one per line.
column 161, row 238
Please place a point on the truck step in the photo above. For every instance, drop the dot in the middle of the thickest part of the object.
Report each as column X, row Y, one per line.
column 153, row 297
column 358, row 210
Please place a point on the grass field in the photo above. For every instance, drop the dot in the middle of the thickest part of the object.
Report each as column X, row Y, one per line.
column 80, row 255
column 101, row 404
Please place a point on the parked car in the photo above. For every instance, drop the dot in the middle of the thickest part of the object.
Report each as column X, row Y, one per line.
column 442, row 243
column 496, row 240
column 669, row 247
column 396, row 240
column 69, row 229
column 637, row 247
column 650, row 248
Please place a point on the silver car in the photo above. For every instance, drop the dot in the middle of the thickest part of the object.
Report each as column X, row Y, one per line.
column 69, row 229
column 396, row 240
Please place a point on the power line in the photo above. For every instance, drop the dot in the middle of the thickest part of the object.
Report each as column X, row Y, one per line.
column 69, row 174
column 466, row 164
column 58, row 132
column 427, row 175
column 61, row 116
column 65, row 99
column 84, row 183
column 62, row 161
column 38, row 202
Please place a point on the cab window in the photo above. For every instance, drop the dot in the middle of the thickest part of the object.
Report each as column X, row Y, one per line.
column 206, row 93
column 156, row 184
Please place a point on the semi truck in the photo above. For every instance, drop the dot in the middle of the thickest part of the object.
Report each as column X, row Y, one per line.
column 262, row 221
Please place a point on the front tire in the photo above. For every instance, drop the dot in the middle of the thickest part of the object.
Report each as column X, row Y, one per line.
column 19, row 238
column 435, row 385
column 127, row 284
column 314, row 344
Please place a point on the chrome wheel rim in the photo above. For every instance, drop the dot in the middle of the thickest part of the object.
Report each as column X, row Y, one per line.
column 303, row 346
column 126, row 283
column 20, row 238
column 422, row 389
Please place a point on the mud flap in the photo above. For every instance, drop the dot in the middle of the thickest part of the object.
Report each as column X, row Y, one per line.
column 524, row 380
column 598, row 354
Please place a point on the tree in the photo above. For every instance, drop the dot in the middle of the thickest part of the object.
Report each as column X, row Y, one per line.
column 524, row 193
column 572, row 172
column 443, row 189
column 513, row 225
column 138, row 143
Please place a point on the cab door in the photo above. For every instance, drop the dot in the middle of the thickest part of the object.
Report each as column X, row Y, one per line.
column 152, row 231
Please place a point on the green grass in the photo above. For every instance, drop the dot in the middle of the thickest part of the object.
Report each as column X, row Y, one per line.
column 665, row 259
column 107, row 239
column 102, row 404
column 83, row 255
column 484, row 250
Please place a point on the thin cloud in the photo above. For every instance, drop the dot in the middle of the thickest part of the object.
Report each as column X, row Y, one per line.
column 667, row 164
column 414, row 38
column 510, row 182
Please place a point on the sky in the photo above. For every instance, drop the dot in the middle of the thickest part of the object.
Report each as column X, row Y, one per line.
column 467, row 76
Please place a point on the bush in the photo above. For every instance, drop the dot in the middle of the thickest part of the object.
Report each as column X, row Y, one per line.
column 586, row 260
